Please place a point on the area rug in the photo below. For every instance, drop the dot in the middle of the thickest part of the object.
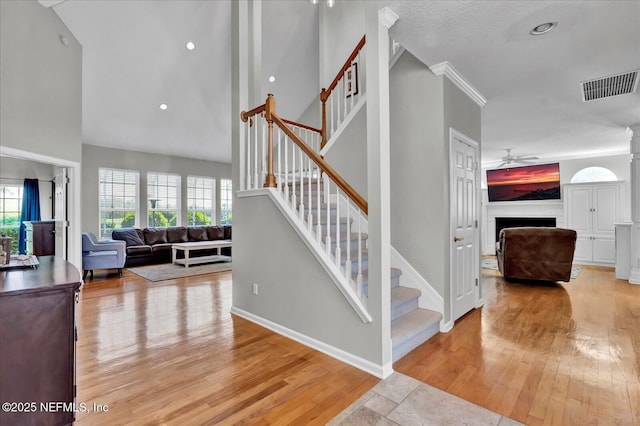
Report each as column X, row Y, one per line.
column 169, row 271
column 489, row 263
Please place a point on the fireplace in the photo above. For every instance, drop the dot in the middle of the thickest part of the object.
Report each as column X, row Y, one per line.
column 516, row 222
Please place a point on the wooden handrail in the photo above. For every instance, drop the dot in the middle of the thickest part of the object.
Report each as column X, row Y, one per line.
column 304, row 126
column 244, row 115
column 323, row 165
column 324, row 95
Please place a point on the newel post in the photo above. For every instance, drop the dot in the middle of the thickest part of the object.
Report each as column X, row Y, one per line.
column 270, row 108
column 323, row 130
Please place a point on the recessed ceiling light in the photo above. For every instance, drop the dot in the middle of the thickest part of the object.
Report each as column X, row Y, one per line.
column 190, row 45
column 272, row 79
column 543, row 28
column 163, row 106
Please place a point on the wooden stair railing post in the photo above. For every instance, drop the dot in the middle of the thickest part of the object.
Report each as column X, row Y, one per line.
column 270, row 109
column 323, row 132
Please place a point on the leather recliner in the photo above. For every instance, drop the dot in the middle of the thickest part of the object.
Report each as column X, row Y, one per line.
column 536, row 253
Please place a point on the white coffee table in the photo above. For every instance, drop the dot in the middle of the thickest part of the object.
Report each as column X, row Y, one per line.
column 195, row 246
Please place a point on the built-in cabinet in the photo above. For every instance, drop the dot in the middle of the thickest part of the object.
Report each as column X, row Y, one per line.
column 592, row 211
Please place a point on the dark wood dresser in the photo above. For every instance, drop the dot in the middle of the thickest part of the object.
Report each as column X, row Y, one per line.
column 37, row 343
column 41, row 237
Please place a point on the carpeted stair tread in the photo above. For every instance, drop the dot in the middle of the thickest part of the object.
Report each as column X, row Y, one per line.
column 404, row 328
column 401, row 295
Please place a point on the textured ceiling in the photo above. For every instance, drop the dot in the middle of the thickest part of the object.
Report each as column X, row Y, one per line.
column 532, row 83
column 134, row 59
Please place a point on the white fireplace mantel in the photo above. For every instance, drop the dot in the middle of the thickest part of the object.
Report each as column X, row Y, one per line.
column 517, row 209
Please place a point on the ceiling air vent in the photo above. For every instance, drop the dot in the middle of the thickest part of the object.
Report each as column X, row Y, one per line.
column 605, row 87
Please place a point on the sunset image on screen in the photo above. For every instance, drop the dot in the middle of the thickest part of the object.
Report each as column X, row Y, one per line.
column 539, row 182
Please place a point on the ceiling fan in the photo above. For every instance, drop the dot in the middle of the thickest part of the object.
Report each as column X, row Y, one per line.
column 511, row 159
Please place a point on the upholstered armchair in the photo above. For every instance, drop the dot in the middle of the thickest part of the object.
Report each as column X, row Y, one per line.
column 536, row 253
column 102, row 254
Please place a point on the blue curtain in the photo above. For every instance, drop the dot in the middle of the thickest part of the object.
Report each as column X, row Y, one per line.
column 30, row 210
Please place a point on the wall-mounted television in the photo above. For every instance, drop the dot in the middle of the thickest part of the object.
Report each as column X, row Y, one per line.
column 539, row 182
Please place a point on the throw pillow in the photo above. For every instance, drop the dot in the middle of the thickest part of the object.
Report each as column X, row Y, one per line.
column 155, row 235
column 215, row 233
column 177, row 234
column 197, row 234
column 128, row 235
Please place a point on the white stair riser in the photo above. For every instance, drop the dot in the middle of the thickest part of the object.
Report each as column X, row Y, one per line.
column 404, row 308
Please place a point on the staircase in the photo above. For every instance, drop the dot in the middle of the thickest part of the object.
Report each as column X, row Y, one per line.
column 410, row 325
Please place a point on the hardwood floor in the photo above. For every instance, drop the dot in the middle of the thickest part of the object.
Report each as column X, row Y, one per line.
column 566, row 354
column 171, row 353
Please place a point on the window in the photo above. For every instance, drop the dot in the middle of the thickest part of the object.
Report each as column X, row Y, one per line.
column 201, row 200
column 10, row 204
column 226, row 197
column 163, row 196
column 118, row 200
column 594, row 174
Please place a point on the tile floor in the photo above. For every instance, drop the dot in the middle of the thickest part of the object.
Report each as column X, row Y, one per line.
column 401, row 400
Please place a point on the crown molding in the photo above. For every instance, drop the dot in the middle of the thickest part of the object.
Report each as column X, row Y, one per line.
column 387, row 17
column 445, row 68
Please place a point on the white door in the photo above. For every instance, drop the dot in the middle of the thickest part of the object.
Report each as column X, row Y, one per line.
column 60, row 212
column 604, row 249
column 605, row 209
column 584, row 249
column 465, row 247
column 579, row 210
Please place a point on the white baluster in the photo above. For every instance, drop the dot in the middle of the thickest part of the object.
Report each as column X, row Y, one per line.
column 309, row 205
column 293, row 176
column 286, row 168
column 263, row 153
column 354, row 82
column 318, row 213
column 359, row 289
column 301, row 206
column 338, row 251
column 331, row 97
column 344, row 95
column 279, row 173
column 347, row 264
column 328, row 224
column 248, row 164
column 255, row 154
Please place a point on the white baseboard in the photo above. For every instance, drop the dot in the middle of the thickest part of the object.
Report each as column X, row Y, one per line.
column 446, row 327
column 380, row 371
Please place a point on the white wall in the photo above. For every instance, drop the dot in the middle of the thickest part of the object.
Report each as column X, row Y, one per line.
column 40, row 82
column 294, row 289
column 423, row 109
column 94, row 157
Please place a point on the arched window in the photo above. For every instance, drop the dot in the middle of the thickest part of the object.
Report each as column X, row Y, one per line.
column 594, row 174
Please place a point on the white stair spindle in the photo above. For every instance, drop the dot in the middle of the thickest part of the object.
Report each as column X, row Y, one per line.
column 318, row 213
column 359, row 289
column 279, row 174
column 263, row 154
column 344, row 95
column 301, row 206
column 331, row 110
column 347, row 264
column 247, row 184
column 255, row 154
column 328, row 224
column 338, row 250
column 309, row 205
column 354, row 82
column 293, row 175
column 286, row 168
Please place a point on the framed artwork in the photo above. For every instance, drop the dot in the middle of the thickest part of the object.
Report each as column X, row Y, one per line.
column 351, row 80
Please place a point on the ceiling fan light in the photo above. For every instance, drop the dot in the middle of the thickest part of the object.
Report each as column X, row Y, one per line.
column 331, row 3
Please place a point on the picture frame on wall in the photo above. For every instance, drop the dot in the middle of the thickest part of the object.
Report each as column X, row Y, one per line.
column 351, row 80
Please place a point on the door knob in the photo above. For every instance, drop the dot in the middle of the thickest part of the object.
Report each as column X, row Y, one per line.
column 456, row 239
